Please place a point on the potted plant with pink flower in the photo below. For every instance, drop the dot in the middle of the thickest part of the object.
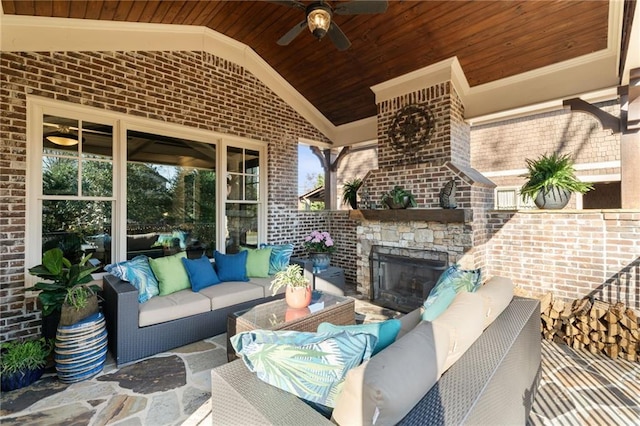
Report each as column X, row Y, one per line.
column 319, row 245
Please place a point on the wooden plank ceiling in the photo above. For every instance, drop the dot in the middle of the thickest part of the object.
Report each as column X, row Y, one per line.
column 492, row 39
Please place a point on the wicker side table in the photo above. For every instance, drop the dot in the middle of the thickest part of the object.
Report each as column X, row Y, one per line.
column 276, row 315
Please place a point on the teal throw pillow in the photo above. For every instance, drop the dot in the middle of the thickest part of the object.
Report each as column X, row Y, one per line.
column 312, row 366
column 257, row 262
column 170, row 272
column 452, row 281
column 385, row 331
column 280, row 257
column 138, row 272
column 231, row 267
column 200, row 272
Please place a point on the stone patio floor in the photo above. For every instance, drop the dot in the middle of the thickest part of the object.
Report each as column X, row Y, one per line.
column 173, row 388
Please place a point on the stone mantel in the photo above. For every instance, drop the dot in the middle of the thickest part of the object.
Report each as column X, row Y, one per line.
column 414, row 215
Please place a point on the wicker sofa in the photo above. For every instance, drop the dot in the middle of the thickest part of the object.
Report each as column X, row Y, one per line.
column 490, row 381
column 135, row 331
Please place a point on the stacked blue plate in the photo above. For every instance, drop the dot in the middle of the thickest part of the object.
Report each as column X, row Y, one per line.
column 81, row 349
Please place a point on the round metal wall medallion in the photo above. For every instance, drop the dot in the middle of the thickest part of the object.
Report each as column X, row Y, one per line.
column 412, row 128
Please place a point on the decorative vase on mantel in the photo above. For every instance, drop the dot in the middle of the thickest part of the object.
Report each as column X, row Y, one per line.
column 321, row 261
column 298, row 297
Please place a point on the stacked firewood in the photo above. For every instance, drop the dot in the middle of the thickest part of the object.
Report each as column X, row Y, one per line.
column 592, row 325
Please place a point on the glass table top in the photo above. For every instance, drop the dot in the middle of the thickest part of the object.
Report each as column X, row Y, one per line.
column 276, row 313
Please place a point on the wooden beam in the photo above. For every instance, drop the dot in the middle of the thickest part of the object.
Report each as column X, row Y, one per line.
column 607, row 120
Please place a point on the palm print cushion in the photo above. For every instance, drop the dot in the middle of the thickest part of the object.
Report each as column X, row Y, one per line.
column 311, row 366
column 451, row 282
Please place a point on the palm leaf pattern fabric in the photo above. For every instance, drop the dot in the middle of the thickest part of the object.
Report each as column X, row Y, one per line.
column 312, row 366
column 452, row 281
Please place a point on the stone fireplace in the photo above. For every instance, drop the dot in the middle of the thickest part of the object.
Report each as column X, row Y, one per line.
column 427, row 237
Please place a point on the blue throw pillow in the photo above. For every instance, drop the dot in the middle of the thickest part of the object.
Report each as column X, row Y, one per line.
column 451, row 282
column 138, row 272
column 201, row 273
column 280, row 257
column 312, row 366
column 231, row 267
column 385, row 331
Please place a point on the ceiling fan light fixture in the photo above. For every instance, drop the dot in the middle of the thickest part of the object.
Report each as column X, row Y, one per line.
column 318, row 20
column 62, row 137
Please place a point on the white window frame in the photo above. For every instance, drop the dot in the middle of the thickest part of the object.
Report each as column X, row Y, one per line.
column 520, row 205
column 37, row 107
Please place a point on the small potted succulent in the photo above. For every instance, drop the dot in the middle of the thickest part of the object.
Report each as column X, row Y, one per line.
column 551, row 180
column 23, row 362
column 398, row 198
column 81, row 302
column 298, row 288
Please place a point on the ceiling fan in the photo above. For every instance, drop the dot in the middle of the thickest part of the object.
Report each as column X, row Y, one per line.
column 318, row 18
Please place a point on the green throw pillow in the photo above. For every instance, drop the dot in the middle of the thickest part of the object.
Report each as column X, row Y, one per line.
column 170, row 272
column 385, row 331
column 257, row 262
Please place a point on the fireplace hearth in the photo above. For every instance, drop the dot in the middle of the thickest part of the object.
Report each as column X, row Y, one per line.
column 403, row 279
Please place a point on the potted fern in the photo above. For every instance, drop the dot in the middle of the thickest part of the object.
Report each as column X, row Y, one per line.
column 398, row 198
column 551, row 180
column 23, row 362
column 298, row 288
column 350, row 192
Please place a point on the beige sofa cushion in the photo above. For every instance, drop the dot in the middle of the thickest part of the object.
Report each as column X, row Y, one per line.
column 265, row 283
column 497, row 294
column 383, row 390
column 464, row 320
column 409, row 321
column 183, row 303
column 231, row 293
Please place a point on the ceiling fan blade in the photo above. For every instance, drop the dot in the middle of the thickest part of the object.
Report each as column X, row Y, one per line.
column 337, row 37
column 361, row 7
column 292, row 33
column 290, row 3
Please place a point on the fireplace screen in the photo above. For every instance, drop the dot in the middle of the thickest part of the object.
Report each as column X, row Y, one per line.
column 401, row 281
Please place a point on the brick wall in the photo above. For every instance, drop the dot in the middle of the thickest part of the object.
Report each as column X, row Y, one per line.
column 572, row 254
column 505, row 145
column 186, row 88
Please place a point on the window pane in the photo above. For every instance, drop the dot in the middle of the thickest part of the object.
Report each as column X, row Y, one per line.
column 97, row 141
column 59, row 176
column 234, row 186
column 78, row 228
column 251, row 188
column 97, row 178
column 252, row 162
column 242, row 226
column 60, row 136
column 171, row 205
column 234, row 159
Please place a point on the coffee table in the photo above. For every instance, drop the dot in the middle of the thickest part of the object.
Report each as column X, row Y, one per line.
column 276, row 315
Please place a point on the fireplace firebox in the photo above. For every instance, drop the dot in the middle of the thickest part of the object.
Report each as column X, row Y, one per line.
column 401, row 279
